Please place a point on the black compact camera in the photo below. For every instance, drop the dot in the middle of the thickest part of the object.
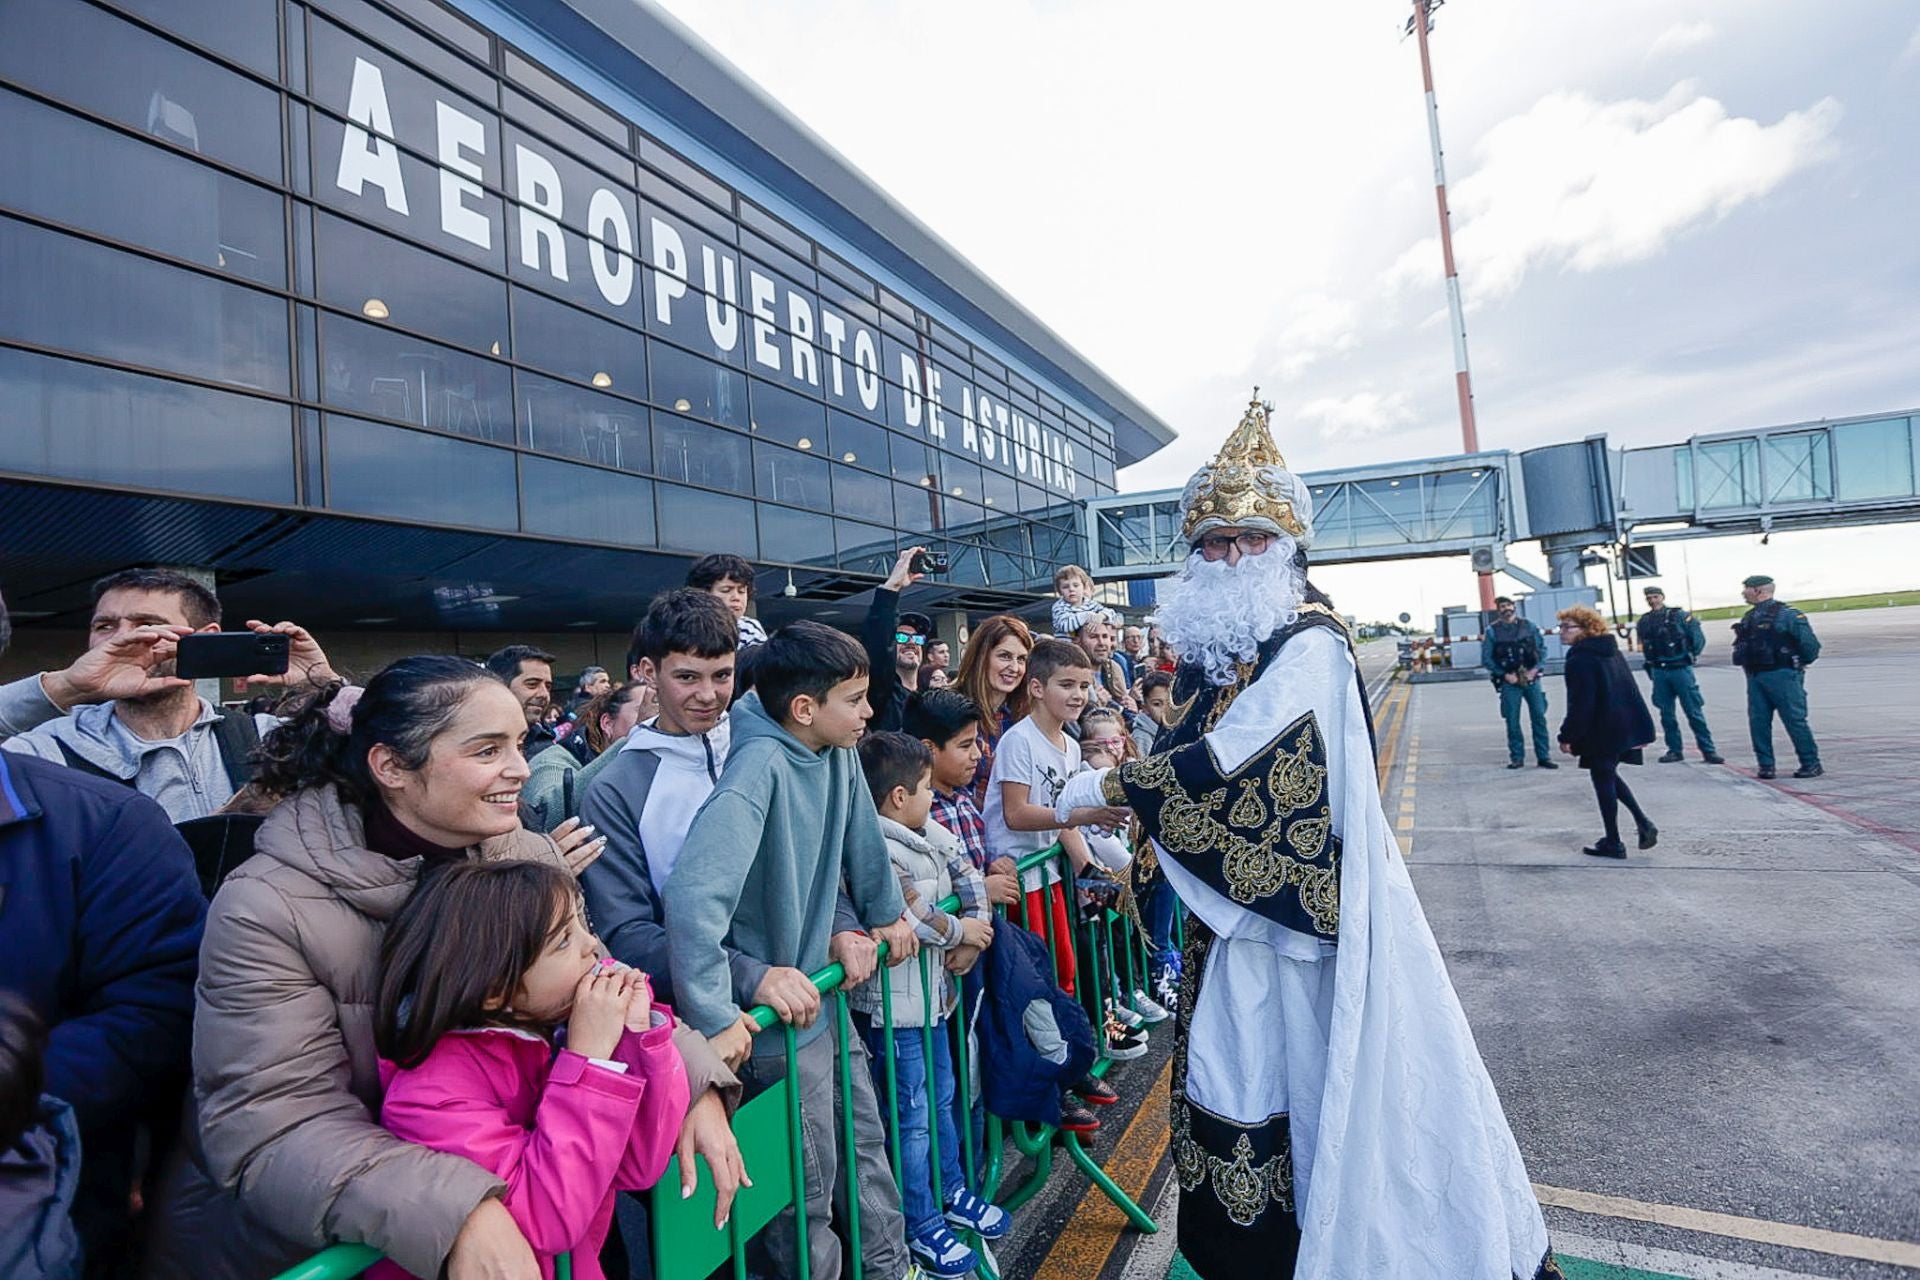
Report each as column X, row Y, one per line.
column 928, row 562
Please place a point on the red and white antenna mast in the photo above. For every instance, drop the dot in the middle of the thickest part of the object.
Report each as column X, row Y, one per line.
column 1463, row 380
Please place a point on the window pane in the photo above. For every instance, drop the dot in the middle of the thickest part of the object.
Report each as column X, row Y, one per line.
column 64, row 292
column 869, row 497
column 911, row 461
column 370, row 273
column 92, row 59
column 1799, row 468
column 86, row 423
column 787, row 416
column 556, row 417
column 581, row 502
column 915, row 507
column 64, row 168
column 700, row 297
column 248, row 31
column 1876, row 458
column 787, row 476
column 864, row 547
column 692, row 520
column 797, row 537
column 700, row 454
column 565, row 340
column 686, row 383
column 394, row 375
column 412, row 475
column 853, row 440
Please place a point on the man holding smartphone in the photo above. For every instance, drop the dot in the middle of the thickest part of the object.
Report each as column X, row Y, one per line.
column 153, row 733
column 895, row 643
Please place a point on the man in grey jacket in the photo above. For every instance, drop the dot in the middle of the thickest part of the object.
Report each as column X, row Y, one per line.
column 156, row 735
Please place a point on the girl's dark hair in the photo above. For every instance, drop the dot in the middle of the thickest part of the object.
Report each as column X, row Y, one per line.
column 468, row 934
column 405, row 707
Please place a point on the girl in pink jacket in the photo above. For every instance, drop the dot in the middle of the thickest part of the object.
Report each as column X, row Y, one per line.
column 480, row 971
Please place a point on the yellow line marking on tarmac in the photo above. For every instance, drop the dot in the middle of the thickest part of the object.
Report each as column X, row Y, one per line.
column 1839, row 1244
column 1095, row 1226
column 1404, row 823
column 1395, row 714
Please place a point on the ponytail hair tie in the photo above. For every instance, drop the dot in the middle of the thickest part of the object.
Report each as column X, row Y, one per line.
column 340, row 710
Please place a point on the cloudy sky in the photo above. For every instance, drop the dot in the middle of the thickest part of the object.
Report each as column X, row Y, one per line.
column 1671, row 217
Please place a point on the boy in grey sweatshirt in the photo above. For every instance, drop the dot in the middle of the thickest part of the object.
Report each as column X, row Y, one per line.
column 761, row 873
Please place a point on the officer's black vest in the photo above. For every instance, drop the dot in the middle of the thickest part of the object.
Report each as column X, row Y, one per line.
column 1761, row 641
column 1665, row 640
column 1515, row 646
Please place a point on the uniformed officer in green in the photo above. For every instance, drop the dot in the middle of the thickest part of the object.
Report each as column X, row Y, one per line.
column 1511, row 652
column 1671, row 640
column 1774, row 643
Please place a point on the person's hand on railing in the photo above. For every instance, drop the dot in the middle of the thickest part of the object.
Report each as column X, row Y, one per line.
column 903, row 944
column 491, row 1246
column 977, row 934
column 705, row 1132
column 735, row 1045
column 790, row 994
column 855, row 953
column 961, row 959
column 1003, row 882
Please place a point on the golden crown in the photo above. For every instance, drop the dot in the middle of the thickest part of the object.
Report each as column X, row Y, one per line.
column 1235, row 490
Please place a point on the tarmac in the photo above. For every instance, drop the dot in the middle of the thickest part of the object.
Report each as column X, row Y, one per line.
column 1710, row 1052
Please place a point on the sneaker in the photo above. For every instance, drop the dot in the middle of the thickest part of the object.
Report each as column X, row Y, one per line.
column 1606, row 849
column 1124, row 1016
column 942, row 1254
column 988, row 1221
column 1649, row 836
column 1149, row 1008
column 1166, row 989
column 1075, row 1118
column 1096, row 1092
column 1516, row 764
column 1123, row 1045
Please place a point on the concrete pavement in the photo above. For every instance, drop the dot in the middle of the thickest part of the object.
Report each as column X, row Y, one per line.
column 1728, row 1022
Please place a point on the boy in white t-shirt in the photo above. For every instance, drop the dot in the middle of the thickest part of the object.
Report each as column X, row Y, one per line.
column 1030, row 767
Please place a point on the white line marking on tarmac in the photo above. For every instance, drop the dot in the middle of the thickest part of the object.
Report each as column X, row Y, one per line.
column 1665, row 1261
column 1152, row 1256
column 1840, row 1244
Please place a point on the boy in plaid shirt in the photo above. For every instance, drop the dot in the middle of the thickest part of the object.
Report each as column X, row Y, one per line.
column 949, row 723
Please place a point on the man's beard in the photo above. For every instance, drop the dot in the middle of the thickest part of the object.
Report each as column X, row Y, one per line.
column 1217, row 615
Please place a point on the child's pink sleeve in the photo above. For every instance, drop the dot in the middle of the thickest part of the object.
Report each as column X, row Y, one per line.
column 650, row 1056
column 558, row 1174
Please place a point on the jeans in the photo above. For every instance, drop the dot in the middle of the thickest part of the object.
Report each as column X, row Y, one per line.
column 1156, row 912
column 920, row 1102
column 1511, row 696
column 1785, row 691
column 882, row 1240
column 1678, row 684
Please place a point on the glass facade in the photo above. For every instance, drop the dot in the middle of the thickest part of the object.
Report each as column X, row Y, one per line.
column 368, row 258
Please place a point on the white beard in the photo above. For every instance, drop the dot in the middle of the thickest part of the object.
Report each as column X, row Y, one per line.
column 1217, row 615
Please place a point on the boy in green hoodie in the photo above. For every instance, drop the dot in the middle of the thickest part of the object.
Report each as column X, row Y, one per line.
column 762, row 872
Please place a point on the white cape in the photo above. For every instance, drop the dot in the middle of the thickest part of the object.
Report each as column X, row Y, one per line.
column 1404, row 1165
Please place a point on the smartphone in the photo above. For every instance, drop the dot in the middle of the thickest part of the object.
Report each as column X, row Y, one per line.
column 220, row 654
column 928, row 562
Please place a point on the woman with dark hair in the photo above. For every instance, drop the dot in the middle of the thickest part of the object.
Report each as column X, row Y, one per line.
column 1606, row 725
column 993, row 672
column 283, row 1153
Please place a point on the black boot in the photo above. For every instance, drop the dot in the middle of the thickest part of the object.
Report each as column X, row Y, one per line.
column 1711, row 758
column 1516, row 764
column 1808, row 771
column 1672, row 757
column 1548, row 764
column 1606, row 849
column 1649, row 835
column 1764, row 771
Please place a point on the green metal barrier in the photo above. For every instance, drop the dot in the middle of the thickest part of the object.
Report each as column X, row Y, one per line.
column 685, row 1244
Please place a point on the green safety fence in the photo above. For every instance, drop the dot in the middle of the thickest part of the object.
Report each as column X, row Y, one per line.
column 1111, row 959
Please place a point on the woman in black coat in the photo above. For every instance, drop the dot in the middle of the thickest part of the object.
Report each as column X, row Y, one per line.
column 1607, row 723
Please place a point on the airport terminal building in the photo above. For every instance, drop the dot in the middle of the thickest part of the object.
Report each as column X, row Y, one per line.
column 407, row 318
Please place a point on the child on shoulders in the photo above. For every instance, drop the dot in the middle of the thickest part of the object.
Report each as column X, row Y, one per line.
column 1075, row 606
column 514, row 1044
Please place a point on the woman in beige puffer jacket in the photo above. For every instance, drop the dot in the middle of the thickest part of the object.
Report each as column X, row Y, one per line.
column 283, row 1153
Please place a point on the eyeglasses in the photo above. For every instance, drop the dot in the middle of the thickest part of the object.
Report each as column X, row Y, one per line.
column 1252, row 543
column 908, row 637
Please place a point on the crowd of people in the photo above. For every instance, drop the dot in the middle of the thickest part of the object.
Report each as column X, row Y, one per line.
column 434, row 1003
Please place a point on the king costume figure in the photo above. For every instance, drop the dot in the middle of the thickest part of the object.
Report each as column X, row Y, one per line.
column 1331, row 1116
